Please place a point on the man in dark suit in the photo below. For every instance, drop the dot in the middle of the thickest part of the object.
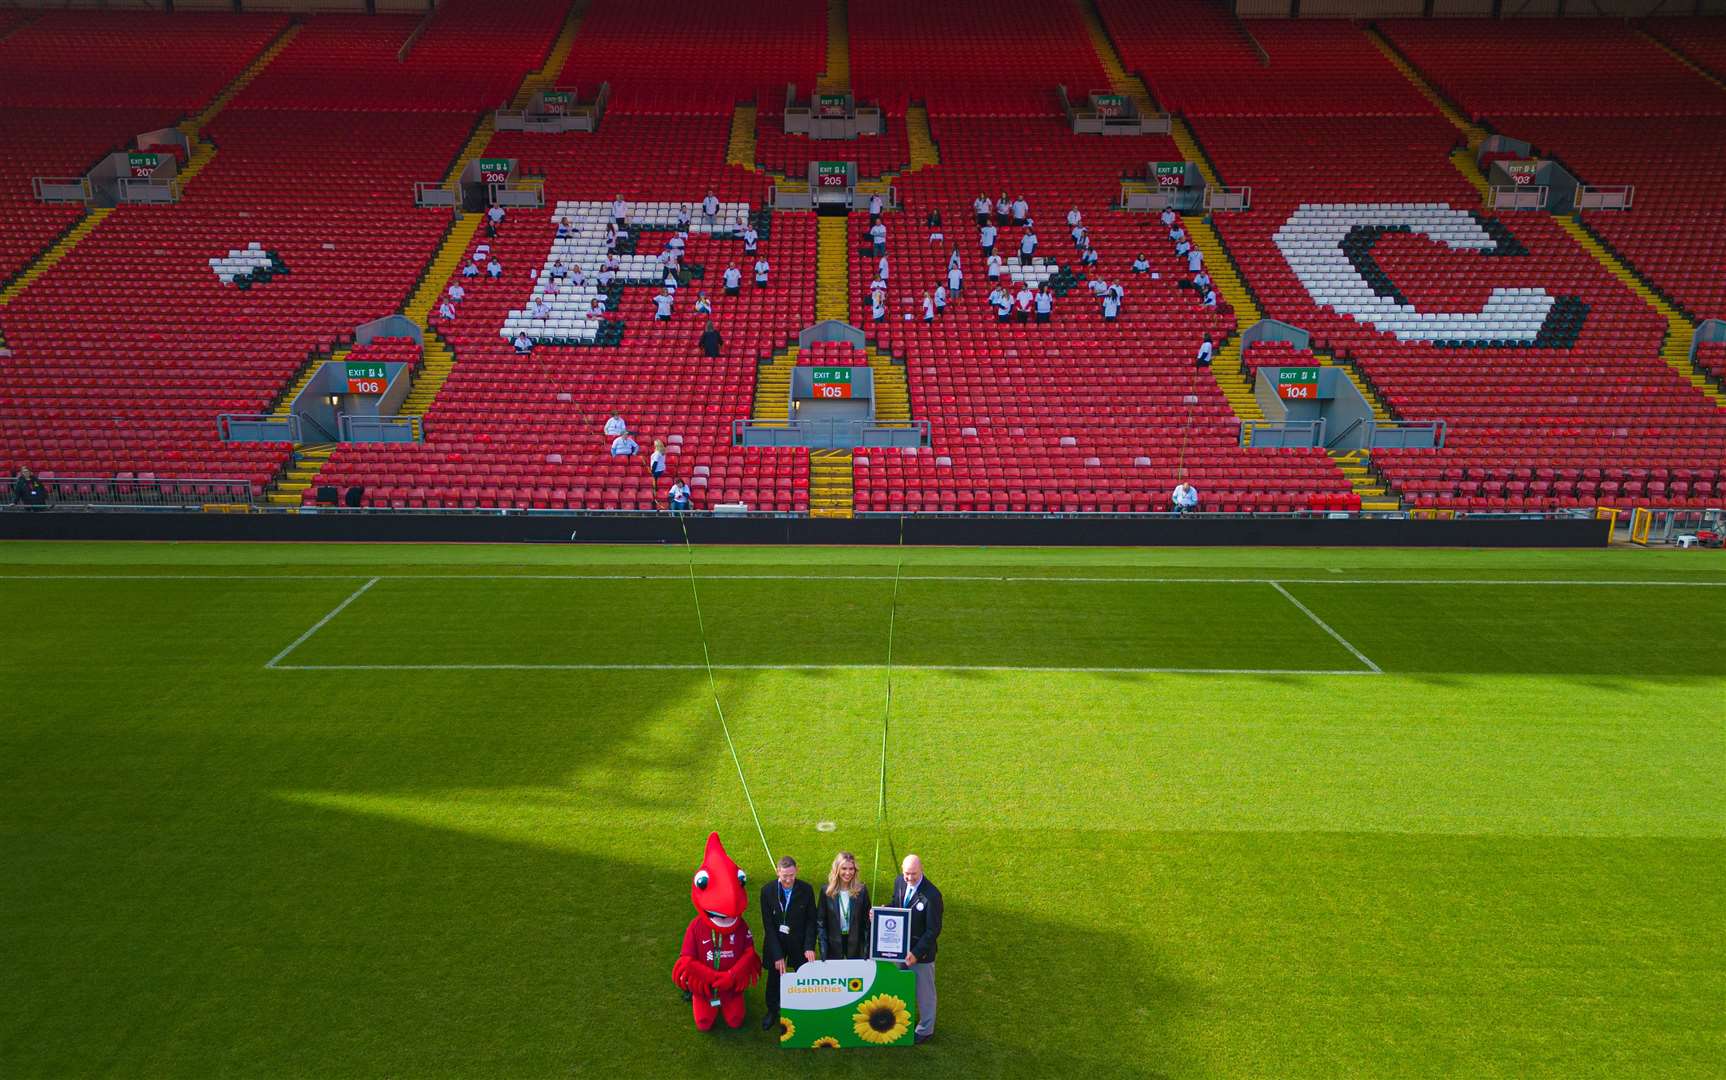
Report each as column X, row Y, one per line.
column 788, row 929
column 912, row 890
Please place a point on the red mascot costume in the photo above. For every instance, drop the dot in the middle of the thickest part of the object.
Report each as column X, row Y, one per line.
column 718, row 961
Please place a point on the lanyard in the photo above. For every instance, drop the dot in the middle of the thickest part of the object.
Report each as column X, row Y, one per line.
column 785, row 902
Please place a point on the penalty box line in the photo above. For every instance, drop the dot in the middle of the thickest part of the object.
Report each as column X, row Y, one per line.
column 275, row 662
column 957, row 668
column 1124, row 579
column 1326, row 627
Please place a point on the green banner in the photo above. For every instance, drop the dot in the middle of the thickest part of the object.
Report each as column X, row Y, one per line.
column 837, row 1003
column 830, row 374
column 493, row 170
column 830, row 105
column 367, row 370
column 143, row 164
column 557, row 97
column 1110, row 104
column 1170, row 173
column 1297, row 375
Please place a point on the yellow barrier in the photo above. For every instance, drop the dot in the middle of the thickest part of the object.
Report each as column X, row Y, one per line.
column 1641, row 520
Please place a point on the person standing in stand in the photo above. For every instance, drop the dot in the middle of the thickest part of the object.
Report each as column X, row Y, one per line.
column 789, row 919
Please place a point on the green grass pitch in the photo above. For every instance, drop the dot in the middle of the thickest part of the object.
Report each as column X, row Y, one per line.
column 1240, row 813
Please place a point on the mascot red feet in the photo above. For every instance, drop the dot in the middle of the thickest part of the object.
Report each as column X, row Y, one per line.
column 718, row 962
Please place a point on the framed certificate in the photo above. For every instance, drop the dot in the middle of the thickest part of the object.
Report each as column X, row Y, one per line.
column 890, row 934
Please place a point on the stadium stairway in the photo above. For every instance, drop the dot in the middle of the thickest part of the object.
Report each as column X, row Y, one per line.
column 201, row 154
column 740, row 148
column 194, row 125
column 547, row 75
column 286, row 400
column 1678, row 55
column 52, row 257
column 298, row 475
column 1356, row 465
column 1463, row 157
column 837, row 76
column 1226, row 365
column 892, row 389
column 1120, row 80
column 772, row 403
column 437, row 360
column 832, row 493
column 924, row 152
column 1675, row 349
column 832, row 269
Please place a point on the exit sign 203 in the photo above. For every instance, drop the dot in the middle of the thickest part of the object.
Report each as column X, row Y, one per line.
column 367, row 378
column 831, row 383
column 1297, row 383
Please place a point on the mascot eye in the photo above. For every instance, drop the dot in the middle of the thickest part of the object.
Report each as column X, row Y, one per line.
column 742, row 878
column 701, row 879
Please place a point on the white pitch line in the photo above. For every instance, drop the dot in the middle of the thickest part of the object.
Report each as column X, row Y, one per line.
column 1014, row 578
column 826, row 667
column 1326, row 627
column 321, row 623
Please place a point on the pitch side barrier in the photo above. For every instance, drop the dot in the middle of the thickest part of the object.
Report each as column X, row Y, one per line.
column 1077, row 530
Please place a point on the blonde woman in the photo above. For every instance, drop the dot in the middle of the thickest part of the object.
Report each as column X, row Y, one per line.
column 845, row 911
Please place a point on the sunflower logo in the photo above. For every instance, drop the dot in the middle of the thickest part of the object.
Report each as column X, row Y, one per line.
column 882, row 1019
column 786, row 1029
column 825, row 1042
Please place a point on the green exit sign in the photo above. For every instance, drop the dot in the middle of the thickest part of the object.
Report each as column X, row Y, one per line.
column 830, row 374
column 1297, row 383
column 834, row 174
column 367, row 377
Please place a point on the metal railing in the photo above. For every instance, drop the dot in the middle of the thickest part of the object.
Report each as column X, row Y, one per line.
column 1345, row 432
column 435, row 193
column 516, row 193
column 1228, row 198
column 1605, row 197
column 780, row 197
column 144, row 489
column 258, row 427
column 1263, row 434
column 1405, row 434
column 830, row 434
column 56, row 189
column 147, row 189
column 1517, row 197
column 379, row 429
column 1155, row 199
